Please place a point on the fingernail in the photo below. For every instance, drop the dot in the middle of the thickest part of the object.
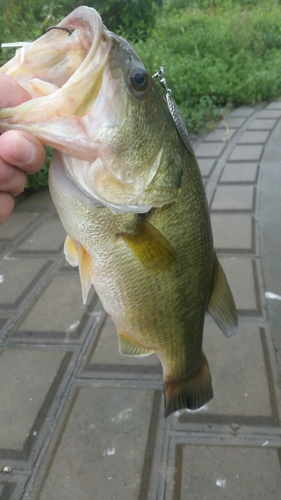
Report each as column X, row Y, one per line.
column 24, row 151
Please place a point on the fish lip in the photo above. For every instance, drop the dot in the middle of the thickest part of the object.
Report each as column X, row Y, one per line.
column 53, row 51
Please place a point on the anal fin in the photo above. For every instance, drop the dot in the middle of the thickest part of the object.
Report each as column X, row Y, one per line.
column 221, row 303
column 130, row 348
column 190, row 392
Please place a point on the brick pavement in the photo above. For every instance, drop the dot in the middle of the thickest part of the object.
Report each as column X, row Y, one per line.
column 78, row 421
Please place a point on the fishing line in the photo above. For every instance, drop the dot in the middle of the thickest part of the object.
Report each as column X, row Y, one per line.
column 59, row 28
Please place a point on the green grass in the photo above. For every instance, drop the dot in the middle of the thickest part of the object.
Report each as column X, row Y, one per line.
column 218, row 55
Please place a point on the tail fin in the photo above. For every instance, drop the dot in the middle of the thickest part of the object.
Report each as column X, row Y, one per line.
column 191, row 393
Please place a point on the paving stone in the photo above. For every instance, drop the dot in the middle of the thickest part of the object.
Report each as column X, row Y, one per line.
column 17, row 277
column 59, row 310
column 16, row 224
column 254, row 137
column 206, row 166
column 40, row 199
column 229, row 473
column 231, row 122
column 12, row 486
column 48, row 237
column 270, row 113
column 209, row 149
column 238, row 371
column 246, row 153
column 101, row 451
column 220, row 135
column 234, row 198
column 6, row 489
column 106, row 351
column 265, row 124
column 243, row 111
column 239, row 172
column 242, row 276
column 274, row 105
column 27, row 377
column 233, row 232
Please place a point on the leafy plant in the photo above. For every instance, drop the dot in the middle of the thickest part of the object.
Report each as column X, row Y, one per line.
column 218, row 54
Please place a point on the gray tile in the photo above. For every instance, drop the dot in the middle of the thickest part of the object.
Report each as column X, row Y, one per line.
column 12, row 486
column 265, row 124
column 239, row 172
column 48, row 237
column 6, row 489
column 28, row 375
column 16, row 278
column 243, row 111
column 209, row 149
column 254, row 137
column 229, row 473
column 242, row 276
column 219, row 134
column 16, row 224
column 231, row 122
column 59, row 310
column 270, row 113
column 206, row 166
column 246, row 153
column 40, row 199
column 274, row 105
column 238, row 371
column 234, row 198
column 100, row 454
column 233, row 232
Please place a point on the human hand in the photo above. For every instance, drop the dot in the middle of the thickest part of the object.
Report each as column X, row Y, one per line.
column 20, row 153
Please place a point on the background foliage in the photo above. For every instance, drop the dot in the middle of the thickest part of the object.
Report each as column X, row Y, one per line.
column 218, row 54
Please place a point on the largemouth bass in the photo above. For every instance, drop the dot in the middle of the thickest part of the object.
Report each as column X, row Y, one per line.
column 130, row 196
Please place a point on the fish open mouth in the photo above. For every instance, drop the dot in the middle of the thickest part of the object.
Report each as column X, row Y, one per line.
column 82, row 96
column 63, row 71
column 77, row 42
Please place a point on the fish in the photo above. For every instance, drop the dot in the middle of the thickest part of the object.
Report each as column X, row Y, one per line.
column 128, row 190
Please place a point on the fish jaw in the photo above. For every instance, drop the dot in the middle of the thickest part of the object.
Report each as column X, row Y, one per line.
column 68, row 79
column 55, row 56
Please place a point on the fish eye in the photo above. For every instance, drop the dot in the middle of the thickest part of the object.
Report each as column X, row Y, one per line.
column 138, row 78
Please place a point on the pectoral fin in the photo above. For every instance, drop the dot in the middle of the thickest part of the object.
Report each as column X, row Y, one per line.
column 129, row 348
column 76, row 255
column 70, row 252
column 149, row 246
column 221, row 303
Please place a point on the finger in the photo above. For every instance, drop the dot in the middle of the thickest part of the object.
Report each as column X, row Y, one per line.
column 12, row 179
column 6, row 206
column 22, row 150
column 11, row 93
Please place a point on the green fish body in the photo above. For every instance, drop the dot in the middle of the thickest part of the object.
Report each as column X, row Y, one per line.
column 130, row 196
